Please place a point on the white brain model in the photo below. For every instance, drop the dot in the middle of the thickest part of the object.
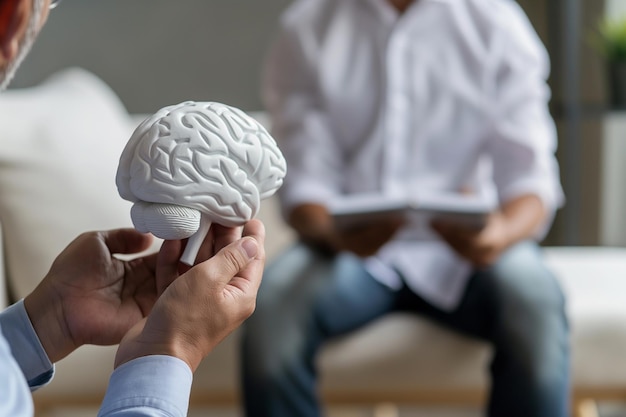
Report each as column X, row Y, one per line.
column 193, row 164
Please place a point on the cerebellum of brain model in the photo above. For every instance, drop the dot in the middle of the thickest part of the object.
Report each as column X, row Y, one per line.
column 197, row 163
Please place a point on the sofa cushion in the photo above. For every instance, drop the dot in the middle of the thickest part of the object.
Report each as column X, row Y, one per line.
column 593, row 279
column 60, row 144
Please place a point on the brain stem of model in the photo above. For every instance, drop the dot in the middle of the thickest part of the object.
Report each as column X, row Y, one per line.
column 194, row 164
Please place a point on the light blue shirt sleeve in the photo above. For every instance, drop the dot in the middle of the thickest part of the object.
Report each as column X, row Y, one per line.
column 15, row 397
column 24, row 365
column 150, row 386
column 25, row 347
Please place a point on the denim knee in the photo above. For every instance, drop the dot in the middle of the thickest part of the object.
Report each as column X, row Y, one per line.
column 530, row 323
column 523, row 284
column 280, row 334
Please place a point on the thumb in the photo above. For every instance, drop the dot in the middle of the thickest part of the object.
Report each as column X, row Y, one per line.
column 230, row 260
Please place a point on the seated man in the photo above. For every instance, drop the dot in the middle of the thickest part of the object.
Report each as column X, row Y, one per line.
column 400, row 98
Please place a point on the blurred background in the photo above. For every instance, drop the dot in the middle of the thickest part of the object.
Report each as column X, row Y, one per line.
column 158, row 52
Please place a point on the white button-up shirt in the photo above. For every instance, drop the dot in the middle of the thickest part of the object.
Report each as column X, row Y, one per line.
column 449, row 96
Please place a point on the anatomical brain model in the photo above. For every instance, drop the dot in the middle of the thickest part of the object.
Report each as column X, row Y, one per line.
column 193, row 164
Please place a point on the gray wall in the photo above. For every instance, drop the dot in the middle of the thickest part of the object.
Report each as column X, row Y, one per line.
column 159, row 52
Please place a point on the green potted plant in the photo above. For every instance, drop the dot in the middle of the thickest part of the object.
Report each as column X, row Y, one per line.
column 610, row 41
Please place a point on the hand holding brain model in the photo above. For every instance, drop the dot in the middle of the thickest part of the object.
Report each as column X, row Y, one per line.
column 193, row 164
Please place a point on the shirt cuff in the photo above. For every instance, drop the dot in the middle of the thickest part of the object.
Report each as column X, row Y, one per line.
column 157, row 382
column 25, row 345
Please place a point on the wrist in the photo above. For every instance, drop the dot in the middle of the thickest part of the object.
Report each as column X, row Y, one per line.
column 141, row 343
column 45, row 315
column 313, row 224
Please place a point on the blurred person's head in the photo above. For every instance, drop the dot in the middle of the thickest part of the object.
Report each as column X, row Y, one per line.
column 20, row 23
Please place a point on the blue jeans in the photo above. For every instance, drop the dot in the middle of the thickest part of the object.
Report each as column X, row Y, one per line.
column 307, row 298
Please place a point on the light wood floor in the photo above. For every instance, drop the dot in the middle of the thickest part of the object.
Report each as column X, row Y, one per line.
column 381, row 411
column 605, row 410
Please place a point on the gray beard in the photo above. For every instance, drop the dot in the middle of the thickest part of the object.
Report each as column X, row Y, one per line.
column 9, row 70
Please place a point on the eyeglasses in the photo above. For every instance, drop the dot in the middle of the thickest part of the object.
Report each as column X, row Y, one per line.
column 54, row 3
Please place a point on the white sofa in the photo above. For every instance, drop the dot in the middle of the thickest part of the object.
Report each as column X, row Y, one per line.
column 60, row 146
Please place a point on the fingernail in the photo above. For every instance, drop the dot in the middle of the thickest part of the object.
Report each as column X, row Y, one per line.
column 251, row 248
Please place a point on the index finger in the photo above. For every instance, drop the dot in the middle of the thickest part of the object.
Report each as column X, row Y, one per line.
column 224, row 236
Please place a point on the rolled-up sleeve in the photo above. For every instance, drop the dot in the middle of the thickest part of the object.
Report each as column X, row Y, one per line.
column 299, row 124
column 523, row 140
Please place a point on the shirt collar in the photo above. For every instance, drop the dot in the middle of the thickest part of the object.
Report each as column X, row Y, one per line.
column 390, row 15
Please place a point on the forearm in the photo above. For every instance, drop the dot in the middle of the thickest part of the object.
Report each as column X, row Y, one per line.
column 523, row 216
column 312, row 223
